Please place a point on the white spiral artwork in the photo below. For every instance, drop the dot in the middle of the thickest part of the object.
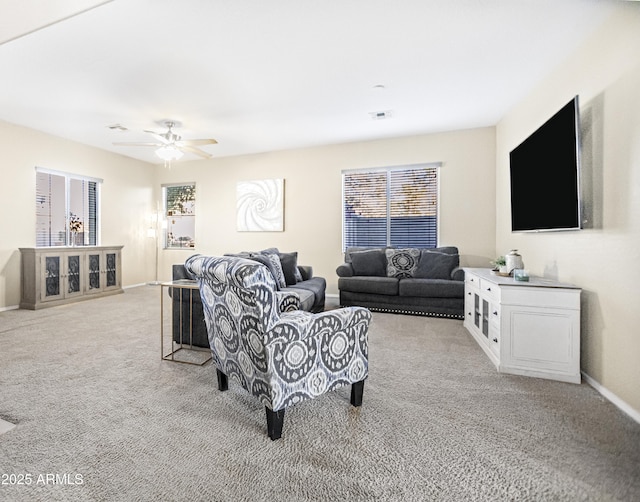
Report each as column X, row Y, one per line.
column 260, row 206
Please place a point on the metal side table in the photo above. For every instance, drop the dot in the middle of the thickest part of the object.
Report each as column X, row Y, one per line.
column 192, row 354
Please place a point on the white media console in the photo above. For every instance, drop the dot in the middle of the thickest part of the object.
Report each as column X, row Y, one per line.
column 525, row 328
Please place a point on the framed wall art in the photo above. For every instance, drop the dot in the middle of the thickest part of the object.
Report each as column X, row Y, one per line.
column 260, row 206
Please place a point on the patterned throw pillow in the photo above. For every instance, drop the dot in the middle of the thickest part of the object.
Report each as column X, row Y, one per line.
column 272, row 262
column 276, row 270
column 402, row 263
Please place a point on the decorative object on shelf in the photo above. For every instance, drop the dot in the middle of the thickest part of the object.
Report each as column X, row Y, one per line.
column 521, row 275
column 260, row 206
column 513, row 261
column 500, row 265
column 75, row 227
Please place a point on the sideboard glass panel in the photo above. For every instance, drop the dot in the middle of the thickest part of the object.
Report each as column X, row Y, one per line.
column 52, row 275
column 111, row 270
column 73, row 273
column 94, row 271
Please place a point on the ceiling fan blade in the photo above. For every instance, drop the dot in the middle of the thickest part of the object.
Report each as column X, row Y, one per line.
column 136, row 143
column 193, row 149
column 158, row 136
column 196, row 142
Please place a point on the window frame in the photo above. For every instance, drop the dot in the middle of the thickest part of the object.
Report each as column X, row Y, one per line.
column 68, row 178
column 166, row 216
column 389, row 200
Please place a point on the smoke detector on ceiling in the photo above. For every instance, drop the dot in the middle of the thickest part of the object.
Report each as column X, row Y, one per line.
column 387, row 114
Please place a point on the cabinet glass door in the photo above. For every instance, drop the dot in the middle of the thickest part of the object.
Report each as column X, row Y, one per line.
column 111, row 270
column 74, row 285
column 93, row 271
column 476, row 310
column 52, row 276
column 485, row 318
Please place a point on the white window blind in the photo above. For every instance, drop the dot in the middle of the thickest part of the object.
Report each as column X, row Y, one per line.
column 396, row 207
column 66, row 209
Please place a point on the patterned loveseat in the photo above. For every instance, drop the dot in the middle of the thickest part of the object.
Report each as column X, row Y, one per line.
column 282, row 358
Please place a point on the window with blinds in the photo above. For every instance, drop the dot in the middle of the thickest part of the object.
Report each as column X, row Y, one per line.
column 66, row 209
column 180, row 215
column 395, row 206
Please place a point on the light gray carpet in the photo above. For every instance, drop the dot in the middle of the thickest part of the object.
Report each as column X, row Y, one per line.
column 93, row 402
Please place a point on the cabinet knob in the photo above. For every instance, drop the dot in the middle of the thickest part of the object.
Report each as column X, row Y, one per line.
column 495, row 312
column 495, row 340
column 488, row 289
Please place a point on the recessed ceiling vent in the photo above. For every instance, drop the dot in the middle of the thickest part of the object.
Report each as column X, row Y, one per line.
column 117, row 127
column 387, row 114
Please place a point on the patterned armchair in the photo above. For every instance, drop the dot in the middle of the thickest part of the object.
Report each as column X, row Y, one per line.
column 282, row 358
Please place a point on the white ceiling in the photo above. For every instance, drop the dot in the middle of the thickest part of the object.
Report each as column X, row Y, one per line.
column 276, row 74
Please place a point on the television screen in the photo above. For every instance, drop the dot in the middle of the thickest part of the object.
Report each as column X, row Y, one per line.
column 545, row 188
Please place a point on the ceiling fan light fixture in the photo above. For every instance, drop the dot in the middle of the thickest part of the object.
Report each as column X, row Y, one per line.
column 169, row 153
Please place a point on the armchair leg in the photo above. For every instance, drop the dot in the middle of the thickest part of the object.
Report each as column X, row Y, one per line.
column 223, row 380
column 275, row 420
column 357, row 390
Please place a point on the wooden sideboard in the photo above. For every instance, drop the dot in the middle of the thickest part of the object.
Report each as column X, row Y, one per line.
column 57, row 275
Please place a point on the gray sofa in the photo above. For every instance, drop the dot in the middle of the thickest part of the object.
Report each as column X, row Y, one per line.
column 408, row 281
column 289, row 277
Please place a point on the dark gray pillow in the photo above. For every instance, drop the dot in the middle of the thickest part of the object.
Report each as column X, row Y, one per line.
column 402, row 263
column 434, row 265
column 289, row 262
column 369, row 263
column 443, row 249
column 354, row 249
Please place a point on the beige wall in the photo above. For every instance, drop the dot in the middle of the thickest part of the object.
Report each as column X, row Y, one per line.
column 126, row 201
column 313, row 196
column 604, row 261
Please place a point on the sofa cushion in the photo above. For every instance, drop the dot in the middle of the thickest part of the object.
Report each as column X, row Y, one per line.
column 436, row 265
column 402, row 262
column 354, row 249
column 317, row 286
column 307, row 297
column 431, row 288
column 371, row 262
column 375, row 285
column 289, row 262
column 443, row 249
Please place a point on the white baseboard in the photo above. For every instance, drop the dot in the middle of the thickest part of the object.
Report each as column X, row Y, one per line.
column 134, row 285
column 332, row 295
column 610, row 396
column 10, row 307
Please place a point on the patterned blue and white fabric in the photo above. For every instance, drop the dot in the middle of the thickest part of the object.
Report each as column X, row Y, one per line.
column 282, row 358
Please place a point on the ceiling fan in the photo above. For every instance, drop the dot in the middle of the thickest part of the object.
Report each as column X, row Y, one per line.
column 170, row 145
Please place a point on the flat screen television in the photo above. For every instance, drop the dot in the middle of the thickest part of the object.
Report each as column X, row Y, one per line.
column 545, row 175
